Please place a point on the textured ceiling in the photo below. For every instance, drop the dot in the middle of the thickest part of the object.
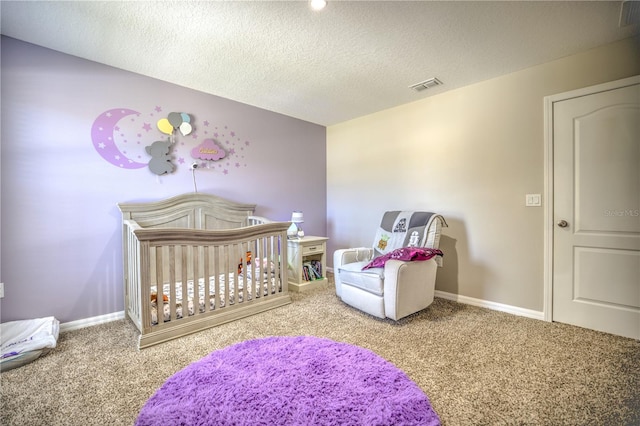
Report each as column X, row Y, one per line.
column 349, row 60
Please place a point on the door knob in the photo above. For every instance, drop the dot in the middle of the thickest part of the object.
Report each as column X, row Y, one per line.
column 563, row 224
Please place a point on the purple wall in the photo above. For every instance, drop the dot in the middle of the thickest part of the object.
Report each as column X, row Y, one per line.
column 61, row 243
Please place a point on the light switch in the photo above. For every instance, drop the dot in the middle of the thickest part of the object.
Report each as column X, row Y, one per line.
column 533, row 200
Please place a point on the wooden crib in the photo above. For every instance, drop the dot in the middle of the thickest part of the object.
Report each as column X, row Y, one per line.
column 195, row 261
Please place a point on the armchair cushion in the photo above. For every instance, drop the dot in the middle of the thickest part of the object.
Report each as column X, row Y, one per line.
column 404, row 253
column 370, row 280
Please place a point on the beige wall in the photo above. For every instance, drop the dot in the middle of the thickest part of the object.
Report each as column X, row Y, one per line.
column 470, row 154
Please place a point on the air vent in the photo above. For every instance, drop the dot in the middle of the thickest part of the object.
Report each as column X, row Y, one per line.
column 629, row 13
column 424, row 85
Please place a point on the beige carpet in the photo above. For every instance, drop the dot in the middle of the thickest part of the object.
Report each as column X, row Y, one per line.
column 478, row 367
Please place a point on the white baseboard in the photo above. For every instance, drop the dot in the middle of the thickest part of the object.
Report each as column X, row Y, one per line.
column 88, row 322
column 515, row 310
column 529, row 313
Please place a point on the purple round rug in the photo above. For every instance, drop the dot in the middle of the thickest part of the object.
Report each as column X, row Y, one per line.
column 289, row 381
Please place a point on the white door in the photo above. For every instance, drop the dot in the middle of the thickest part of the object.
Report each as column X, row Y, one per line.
column 596, row 208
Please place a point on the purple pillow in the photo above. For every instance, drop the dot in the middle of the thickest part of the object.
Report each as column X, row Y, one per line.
column 406, row 254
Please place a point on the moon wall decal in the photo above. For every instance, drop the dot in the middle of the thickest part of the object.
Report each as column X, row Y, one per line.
column 102, row 135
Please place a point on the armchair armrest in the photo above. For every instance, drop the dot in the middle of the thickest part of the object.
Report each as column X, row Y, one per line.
column 350, row 255
column 408, row 286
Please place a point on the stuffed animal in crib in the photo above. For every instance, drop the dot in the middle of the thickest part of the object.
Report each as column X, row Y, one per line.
column 154, row 297
column 257, row 263
column 248, row 260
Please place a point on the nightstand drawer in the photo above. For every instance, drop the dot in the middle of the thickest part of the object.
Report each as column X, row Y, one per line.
column 316, row 248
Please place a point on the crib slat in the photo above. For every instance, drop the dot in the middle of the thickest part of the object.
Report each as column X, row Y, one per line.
column 269, row 269
column 263, row 266
column 256, row 261
column 272, row 278
column 225, row 267
column 276, row 287
column 275, row 283
column 206, row 278
column 246, row 254
column 195, row 254
column 184, row 267
column 234, row 251
column 159, row 289
column 236, row 276
column 216, row 277
column 144, row 272
column 172, row 284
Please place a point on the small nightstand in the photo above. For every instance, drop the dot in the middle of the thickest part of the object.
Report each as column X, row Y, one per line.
column 307, row 262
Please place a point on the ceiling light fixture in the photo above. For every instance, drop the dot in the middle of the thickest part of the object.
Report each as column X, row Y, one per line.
column 318, row 4
column 424, row 85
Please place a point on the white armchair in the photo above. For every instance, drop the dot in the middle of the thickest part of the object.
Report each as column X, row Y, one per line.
column 399, row 288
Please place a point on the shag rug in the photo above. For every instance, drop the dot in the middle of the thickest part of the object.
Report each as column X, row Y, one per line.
column 289, row 381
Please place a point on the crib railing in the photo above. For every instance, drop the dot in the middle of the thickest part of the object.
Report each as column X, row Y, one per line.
column 227, row 274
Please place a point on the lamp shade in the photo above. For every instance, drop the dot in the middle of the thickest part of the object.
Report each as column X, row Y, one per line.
column 297, row 217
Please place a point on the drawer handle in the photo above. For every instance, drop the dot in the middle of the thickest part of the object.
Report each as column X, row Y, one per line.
column 312, row 248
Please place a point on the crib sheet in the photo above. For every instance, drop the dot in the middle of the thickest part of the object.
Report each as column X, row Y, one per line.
column 268, row 284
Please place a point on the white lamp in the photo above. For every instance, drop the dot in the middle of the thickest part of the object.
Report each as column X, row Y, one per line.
column 295, row 230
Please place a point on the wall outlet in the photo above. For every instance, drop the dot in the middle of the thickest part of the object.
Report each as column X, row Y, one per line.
column 1, row 290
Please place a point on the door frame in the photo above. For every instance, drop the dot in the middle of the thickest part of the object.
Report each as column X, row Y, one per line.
column 549, row 228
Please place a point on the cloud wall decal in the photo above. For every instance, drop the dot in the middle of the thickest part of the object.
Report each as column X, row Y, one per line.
column 208, row 150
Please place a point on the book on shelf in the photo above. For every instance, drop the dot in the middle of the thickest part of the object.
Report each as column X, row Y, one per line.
column 312, row 270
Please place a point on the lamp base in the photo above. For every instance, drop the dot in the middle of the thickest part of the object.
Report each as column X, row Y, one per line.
column 292, row 232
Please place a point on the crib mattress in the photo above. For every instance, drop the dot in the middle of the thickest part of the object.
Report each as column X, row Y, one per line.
column 269, row 284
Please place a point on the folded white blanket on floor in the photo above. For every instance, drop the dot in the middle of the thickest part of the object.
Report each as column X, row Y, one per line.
column 22, row 336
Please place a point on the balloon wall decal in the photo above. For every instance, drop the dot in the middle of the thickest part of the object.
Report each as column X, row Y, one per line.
column 175, row 121
column 185, row 129
column 165, row 127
